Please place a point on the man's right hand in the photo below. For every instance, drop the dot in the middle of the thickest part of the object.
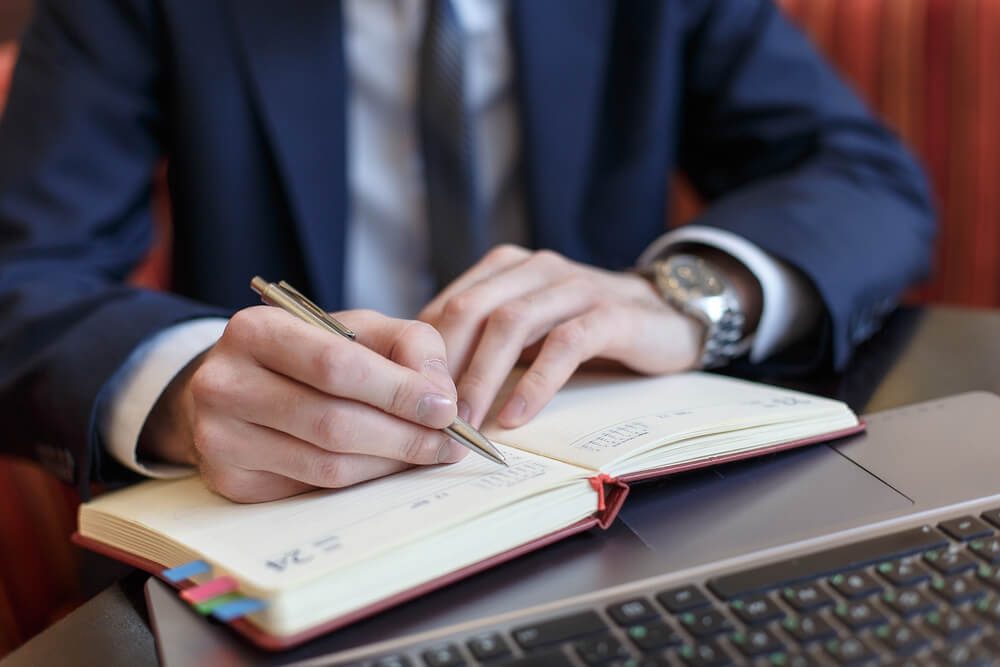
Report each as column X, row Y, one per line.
column 279, row 406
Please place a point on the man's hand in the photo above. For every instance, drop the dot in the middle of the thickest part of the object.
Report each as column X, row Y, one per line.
column 515, row 299
column 278, row 406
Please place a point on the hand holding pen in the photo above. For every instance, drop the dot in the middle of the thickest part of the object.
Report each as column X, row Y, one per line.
column 279, row 406
column 292, row 301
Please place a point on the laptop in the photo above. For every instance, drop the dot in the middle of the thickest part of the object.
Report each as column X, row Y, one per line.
column 883, row 548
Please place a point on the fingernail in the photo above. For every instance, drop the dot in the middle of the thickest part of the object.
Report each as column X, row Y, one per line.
column 511, row 413
column 450, row 452
column 438, row 373
column 435, row 410
column 464, row 410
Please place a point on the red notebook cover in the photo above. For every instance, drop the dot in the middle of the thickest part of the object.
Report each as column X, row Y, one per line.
column 611, row 496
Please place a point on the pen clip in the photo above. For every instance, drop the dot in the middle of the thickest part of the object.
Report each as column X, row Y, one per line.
column 315, row 310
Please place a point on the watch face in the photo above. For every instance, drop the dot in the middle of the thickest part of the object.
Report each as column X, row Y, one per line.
column 694, row 278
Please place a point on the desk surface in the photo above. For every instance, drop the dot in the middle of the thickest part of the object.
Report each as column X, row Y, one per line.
column 921, row 354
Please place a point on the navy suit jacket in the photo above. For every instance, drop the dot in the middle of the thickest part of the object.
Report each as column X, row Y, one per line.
column 246, row 98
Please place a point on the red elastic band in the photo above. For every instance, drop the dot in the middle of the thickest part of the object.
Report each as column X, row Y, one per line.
column 597, row 483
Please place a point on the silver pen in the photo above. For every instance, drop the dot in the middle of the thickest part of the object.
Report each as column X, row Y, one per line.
column 291, row 300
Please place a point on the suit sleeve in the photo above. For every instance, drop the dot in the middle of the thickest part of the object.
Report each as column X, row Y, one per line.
column 790, row 159
column 78, row 144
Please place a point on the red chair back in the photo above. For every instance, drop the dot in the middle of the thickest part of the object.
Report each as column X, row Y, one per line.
column 929, row 69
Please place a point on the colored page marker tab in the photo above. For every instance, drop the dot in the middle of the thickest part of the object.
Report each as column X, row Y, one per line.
column 210, row 589
column 238, row 609
column 186, row 571
column 208, row 606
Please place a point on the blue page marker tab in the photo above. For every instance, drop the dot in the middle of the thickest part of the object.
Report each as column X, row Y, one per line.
column 186, row 571
column 237, row 609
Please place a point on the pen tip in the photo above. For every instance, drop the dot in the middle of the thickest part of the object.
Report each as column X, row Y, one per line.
column 497, row 456
column 467, row 435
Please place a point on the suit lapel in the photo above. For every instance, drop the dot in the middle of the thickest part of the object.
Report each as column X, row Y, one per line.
column 562, row 51
column 295, row 64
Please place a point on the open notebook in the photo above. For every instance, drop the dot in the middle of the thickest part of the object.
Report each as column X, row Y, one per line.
column 324, row 559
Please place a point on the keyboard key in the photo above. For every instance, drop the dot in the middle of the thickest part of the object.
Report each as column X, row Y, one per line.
column 856, row 584
column 963, row 655
column 952, row 625
column 632, row 611
column 849, row 651
column 756, row 642
column 857, row 615
column 392, row 661
column 825, row 563
column 993, row 516
column 808, row 628
column 992, row 644
column 957, row 590
column 443, row 656
column 916, row 661
column 558, row 630
column 989, row 609
column 965, row 528
column 903, row 573
column 645, row 661
column 600, row 650
column 908, row 603
column 806, row 597
column 704, row 654
column 989, row 575
column 756, row 610
column 682, row 599
column 653, row 635
column 705, row 623
column 488, row 647
column 950, row 562
column 902, row 640
column 785, row 659
column 988, row 550
column 551, row 658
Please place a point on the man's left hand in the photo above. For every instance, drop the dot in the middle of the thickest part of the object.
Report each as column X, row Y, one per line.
column 566, row 313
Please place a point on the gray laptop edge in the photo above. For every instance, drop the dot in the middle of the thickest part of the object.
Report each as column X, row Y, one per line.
column 915, row 465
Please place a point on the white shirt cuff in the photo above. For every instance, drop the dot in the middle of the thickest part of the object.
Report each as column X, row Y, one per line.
column 790, row 305
column 137, row 385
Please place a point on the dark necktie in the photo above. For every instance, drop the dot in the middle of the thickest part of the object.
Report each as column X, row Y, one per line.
column 457, row 234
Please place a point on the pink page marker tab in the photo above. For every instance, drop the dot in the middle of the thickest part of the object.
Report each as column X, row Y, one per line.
column 209, row 589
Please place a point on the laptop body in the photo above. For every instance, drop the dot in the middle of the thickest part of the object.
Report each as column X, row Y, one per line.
column 918, row 471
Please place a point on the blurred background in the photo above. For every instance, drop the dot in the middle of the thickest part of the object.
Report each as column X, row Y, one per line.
column 13, row 16
column 928, row 67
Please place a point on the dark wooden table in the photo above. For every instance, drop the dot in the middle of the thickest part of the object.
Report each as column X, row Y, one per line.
column 921, row 354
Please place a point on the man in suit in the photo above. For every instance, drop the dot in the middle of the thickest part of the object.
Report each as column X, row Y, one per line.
column 370, row 152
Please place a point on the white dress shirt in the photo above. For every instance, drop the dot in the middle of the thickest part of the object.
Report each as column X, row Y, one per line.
column 387, row 260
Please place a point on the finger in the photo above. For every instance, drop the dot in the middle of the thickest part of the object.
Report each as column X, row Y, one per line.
column 464, row 315
column 278, row 403
column 565, row 348
column 329, row 363
column 496, row 260
column 411, row 343
column 513, row 327
column 284, row 455
column 249, row 486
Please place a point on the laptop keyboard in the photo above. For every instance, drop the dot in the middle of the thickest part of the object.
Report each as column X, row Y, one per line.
column 924, row 596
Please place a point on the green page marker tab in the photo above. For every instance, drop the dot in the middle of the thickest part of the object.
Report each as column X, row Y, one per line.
column 207, row 607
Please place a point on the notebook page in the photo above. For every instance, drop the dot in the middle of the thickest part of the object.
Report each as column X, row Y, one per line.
column 284, row 543
column 599, row 419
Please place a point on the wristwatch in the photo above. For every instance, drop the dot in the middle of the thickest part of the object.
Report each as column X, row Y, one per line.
column 699, row 289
